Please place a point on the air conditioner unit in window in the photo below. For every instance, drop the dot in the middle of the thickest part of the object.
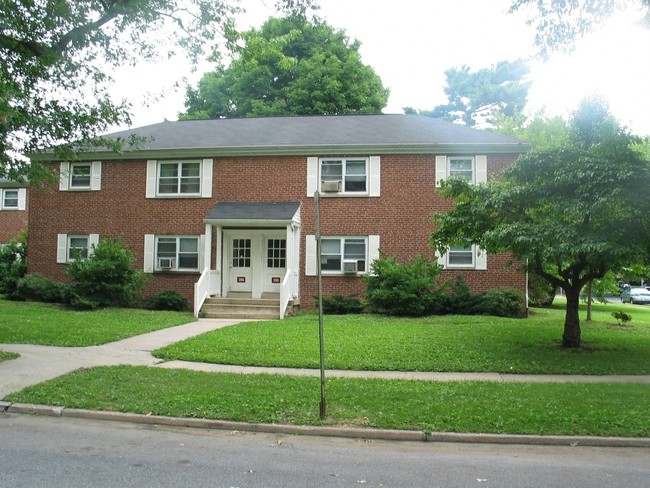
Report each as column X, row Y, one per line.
column 331, row 186
column 350, row 266
column 166, row 263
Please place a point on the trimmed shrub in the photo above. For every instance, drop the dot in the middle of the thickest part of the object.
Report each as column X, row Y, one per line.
column 106, row 277
column 13, row 266
column 502, row 302
column 342, row 304
column 35, row 286
column 167, row 300
column 409, row 289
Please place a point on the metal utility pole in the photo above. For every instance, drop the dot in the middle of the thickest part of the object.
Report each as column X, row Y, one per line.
column 323, row 401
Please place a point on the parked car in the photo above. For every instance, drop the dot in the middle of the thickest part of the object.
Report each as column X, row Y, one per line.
column 635, row 295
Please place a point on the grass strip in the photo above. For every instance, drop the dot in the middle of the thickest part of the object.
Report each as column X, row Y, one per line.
column 54, row 325
column 449, row 343
column 481, row 407
column 4, row 356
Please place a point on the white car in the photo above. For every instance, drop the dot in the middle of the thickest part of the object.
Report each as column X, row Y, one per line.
column 636, row 295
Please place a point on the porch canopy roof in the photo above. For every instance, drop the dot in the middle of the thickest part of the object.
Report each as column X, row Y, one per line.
column 253, row 214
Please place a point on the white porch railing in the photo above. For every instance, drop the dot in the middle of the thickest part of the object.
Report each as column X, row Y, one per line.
column 286, row 293
column 201, row 291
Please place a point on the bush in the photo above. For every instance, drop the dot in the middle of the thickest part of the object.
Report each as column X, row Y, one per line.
column 460, row 300
column 40, row 288
column 167, row 300
column 621, row 317
column 502, row 302
column 409, row 289
column 106, row 277
column 13, row 266
column 342, row 304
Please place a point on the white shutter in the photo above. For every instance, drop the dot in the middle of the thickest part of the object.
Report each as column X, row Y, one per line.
column 481, row 258
column 312, row 176
column 375, row 176
column 310, row 256
column 22, row 198
column 93, row 240
column 64, row 176
column 96, row 175
column 201, row 252
column 149, row 243
column 481, row 169
column 373, row 251
column 152, row 165
column 441, row 169
column 441, row 259
column 62, row 248
column 206, row 178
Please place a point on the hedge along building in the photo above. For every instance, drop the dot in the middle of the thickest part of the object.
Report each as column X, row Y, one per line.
column 225, row 208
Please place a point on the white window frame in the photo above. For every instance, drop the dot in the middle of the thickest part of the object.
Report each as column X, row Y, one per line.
column 479, row 260
column 3, row 202
column 373, row 177
column 344, row 170
column 153, row 178
column 66, row 176
column 64, row 248
column 177, row 255
column 371, row 243
column 479, row 168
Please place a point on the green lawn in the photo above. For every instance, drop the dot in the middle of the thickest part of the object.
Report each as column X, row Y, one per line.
column 53, row 325
column 451, row 343
column 516, row 408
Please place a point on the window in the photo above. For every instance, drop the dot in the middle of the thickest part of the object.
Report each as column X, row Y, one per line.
column 84, row 176
column 179, row 178
column 177, row 253
column 464, row 257
column 462, row 168
column 187, row 178
column 343, row 175
column 241, row 253
column 336, row 253
column 80, row 175
column 472, row 169
column 75, row 246
column 9, row 199
column 276, row 253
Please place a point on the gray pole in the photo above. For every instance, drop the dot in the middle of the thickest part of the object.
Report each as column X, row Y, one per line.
column 323, row 401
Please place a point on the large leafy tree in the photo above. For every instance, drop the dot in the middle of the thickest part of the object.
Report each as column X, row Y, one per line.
column 559, row 23
column 572, row 212
column 290, row 66
column 479, row 97
column 57, row 58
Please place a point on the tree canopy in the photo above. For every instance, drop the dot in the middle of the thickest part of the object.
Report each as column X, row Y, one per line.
column 290, row 66
column 57, row 58
column 478, row 97
column 571, row 212
column 559, row 23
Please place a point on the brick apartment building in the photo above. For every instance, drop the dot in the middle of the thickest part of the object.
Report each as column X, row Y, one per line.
column 13, row 209
column 226, row 207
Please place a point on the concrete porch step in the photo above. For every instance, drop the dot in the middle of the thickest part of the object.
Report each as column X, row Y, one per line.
column 242, row 307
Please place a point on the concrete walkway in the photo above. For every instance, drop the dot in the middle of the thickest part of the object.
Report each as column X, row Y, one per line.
column 40, row 363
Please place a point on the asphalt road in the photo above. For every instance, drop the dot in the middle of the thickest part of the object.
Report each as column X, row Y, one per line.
column 63, row 452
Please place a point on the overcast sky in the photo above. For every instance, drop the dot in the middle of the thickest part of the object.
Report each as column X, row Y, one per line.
column 410, row 43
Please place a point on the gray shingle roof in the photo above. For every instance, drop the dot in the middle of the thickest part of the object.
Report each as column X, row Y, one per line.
column 311, row 135
column 267, row 211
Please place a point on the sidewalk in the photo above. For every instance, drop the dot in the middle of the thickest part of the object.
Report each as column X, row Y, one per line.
column 41, row 363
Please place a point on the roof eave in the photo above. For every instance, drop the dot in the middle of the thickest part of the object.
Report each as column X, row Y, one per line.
column 316, row 150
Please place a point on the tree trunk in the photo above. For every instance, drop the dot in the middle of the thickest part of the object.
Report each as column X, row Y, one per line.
column 589, row 300
column 571, row 336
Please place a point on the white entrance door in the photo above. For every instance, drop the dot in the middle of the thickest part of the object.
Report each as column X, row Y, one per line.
column 240, row 256
column 275, row 262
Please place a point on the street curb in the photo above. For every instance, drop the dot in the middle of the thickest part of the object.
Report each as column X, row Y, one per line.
column 325, row 431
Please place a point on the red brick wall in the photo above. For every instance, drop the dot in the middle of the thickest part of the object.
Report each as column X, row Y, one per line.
column 402, row 215
column 12, row 223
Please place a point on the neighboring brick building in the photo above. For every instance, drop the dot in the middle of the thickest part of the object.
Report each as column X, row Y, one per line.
column 13, row 209
column 235, row 197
